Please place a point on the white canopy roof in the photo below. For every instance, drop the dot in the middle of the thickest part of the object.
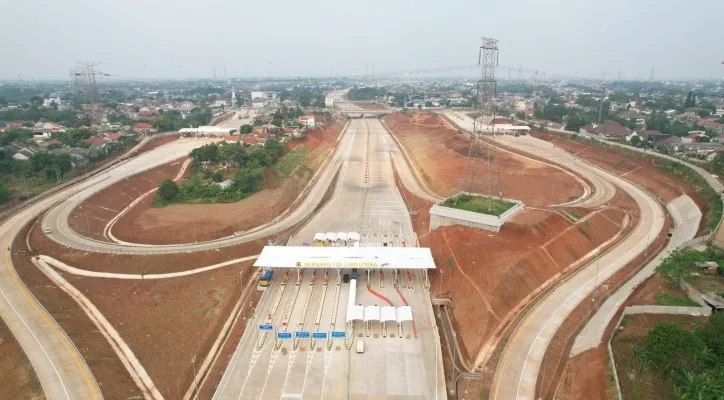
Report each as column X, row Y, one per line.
column 388, row 314
column 345, row 257
column 355, row 313
column 320, row 236
column 342, row 236
column 331, row 236
column 404, row 314
column 354, row 236
column 372, row 313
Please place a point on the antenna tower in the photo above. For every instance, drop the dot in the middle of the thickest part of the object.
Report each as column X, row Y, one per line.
column 487, row 87
column 84, row 77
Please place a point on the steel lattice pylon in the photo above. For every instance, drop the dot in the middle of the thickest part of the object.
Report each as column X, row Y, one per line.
column 84, row 82
column 487, row 87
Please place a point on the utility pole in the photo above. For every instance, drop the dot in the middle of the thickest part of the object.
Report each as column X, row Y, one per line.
column 487, row 88
column 603, row 96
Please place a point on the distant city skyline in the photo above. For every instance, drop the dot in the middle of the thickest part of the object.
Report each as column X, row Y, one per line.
column 183, row 39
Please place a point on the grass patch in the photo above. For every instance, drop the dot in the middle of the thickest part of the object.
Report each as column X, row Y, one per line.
column 665, row 299
column 479, row 204
column 289, row 162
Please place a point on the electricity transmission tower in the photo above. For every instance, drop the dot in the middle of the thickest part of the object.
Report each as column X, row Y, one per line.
column 479, row 151
column 84, row 79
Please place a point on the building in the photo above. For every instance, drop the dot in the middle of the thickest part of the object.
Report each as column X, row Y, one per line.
column 307, row 120
column 47, row 103
column 143, row 128
column 248, row 140
column 694, row 137
column 610, row 130
column 264, row 99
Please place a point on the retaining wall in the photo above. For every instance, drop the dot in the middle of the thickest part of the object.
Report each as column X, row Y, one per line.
column 447, row 216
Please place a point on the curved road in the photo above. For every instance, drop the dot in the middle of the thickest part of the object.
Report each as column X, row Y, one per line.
column 60, row 368
column 517, row 371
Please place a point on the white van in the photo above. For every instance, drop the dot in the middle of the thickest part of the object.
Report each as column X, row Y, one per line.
column 47, row 230
column 360, row 346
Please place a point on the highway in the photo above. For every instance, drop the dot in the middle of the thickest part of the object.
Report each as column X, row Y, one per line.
column 58, row 364
column 365, row 200
column 517, row 371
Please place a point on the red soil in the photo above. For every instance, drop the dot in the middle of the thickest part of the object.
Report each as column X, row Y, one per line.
column 501, row 269
column 95, row 212
column 633, row 166
column 586, row 376
column 183, row 223
column 429, row 139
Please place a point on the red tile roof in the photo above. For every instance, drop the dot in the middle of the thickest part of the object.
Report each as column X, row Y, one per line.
column 114, row 136
column 94, row 140
column 142, row 125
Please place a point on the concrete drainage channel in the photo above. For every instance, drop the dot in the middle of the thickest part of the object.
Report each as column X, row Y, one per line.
column 451, row 339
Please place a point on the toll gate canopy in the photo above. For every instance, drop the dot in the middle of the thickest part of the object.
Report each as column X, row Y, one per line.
column 345, row 257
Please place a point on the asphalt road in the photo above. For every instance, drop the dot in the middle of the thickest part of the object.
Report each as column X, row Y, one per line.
column 517, row 371
column 58, row 364
column 365, row 200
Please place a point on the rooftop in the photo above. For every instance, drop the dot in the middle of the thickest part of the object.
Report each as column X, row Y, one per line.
column 345, row 257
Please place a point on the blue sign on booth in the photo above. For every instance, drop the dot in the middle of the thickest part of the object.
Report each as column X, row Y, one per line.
column 284, row 335
column 338, row 335
column 301, row 335
column 266, row 327
column 319, row 335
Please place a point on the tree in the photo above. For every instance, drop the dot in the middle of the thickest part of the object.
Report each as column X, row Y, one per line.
column 4, row 194
column 574, row 123
column 713, row 334
column 245, row 129
column 669, row 347
column 168, row 190
column 635, row 141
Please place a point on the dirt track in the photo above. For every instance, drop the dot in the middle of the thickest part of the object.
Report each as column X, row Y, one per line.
column 440, row 153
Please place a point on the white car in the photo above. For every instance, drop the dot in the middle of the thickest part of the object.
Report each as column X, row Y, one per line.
column 360, row 346
column 47, row 231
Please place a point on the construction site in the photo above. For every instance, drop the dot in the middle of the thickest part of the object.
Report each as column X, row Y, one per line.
column 336, row 280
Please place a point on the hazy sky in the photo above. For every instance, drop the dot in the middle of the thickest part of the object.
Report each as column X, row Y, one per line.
column 183, row 38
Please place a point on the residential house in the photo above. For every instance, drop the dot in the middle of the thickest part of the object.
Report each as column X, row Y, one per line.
column 610, row 130
column 113, row 137
column 23, row 154
column 270, row 128
column 699, row 149
column 665, row 141
column 694, row 137
column 143, row 128
column 307, row 120
column 718, row 139
column 248, row 140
